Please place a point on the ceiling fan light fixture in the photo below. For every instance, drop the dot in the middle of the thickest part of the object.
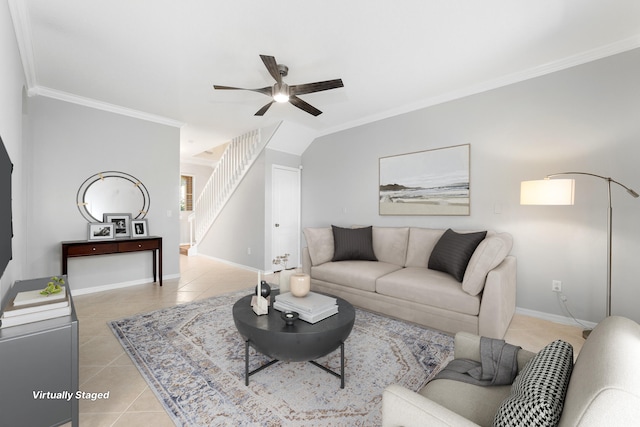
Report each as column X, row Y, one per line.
column 281, row 92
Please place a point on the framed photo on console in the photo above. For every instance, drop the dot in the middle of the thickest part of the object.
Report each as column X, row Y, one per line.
column 121, row 221
column 101, row 231
column 139, row 228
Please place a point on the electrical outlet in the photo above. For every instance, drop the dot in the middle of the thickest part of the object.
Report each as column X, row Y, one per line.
column 556, row 286
column 248, row 251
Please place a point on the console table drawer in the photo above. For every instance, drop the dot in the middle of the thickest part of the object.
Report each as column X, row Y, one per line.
column 104, row 248
column 82, row 248
column 138, row 246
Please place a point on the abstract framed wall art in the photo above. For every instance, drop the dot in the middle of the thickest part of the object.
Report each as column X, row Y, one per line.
column 432, row 182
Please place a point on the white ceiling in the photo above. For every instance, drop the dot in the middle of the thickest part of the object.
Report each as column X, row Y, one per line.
column 158, row 59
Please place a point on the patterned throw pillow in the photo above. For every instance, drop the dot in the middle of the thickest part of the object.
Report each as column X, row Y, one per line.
column 453, row 252
column 353, row 244
column 537, row 394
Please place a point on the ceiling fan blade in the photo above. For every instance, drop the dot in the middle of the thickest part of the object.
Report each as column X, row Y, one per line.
column 315, row 87
column 304, row 106
column 264, row 109
column 272, row 67
column 264, row 90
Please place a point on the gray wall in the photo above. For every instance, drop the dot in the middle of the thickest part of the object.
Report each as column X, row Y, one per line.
column 584, row 118
column 11, row 130
column 67, row 144
column 245, row 223
column 239, row 229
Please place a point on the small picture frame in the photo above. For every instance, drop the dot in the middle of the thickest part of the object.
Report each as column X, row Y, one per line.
column 121, row 221
column 139, row 228
column 101, row 231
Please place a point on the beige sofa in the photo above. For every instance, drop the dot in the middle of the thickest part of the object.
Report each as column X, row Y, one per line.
column 400, row 284
column 603, row 388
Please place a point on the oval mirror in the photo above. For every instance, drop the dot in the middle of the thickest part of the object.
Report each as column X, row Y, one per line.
column 112, row 192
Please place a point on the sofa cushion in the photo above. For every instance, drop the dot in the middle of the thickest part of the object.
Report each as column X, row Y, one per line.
column 320, row 244
column 538, row 392
column 487, row 256
column 353, row 244
column 354, row 274
column 475, row 403
column 390, row 244
column 453, row 252
column 421, row 244
column 428, row 287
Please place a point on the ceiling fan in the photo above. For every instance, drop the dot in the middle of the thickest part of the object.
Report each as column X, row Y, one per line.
column 282, row 92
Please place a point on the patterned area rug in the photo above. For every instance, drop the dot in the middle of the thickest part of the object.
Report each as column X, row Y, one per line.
column 192, row 357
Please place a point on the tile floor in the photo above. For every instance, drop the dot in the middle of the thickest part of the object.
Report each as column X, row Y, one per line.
column 104, row 366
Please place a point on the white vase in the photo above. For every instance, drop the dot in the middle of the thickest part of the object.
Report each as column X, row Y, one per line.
column 285, row 279
column 300, row 284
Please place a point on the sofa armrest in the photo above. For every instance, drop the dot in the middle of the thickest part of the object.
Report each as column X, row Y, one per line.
column 306, row 261
column 403, row 407
column 498, row 300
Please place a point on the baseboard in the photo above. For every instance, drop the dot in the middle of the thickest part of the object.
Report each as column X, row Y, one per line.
column 235, row 264
column 109, row 287
column 555, row 318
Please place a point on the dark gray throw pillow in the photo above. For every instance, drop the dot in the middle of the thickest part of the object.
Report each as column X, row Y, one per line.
column 353, row 244
column 453, row 251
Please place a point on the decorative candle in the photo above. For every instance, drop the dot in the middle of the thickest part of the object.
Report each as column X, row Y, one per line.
column 259, row 285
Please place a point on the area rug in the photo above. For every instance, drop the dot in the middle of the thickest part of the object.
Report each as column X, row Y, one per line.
column 192, row 357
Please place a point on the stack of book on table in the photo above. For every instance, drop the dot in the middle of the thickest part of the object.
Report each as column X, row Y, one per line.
column 31, row 306
column 311, row 308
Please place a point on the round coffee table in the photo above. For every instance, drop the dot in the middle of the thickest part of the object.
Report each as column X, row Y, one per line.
column 300, row 342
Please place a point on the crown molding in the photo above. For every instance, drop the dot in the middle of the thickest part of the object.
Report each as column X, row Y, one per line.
column 537, row 71
column 22, row 29
column 105, row 106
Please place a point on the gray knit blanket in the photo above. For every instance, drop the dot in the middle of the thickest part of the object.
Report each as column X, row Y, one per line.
column 498, row 365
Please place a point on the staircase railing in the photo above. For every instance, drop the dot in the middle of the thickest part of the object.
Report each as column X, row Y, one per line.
column 236, row 160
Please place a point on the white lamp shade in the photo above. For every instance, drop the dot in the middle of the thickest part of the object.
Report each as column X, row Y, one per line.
column 547, row 192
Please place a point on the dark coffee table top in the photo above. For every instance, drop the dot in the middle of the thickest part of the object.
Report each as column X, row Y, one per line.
column 299, row 342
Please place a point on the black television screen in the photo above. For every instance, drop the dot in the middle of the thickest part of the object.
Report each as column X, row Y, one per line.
column 6, row 223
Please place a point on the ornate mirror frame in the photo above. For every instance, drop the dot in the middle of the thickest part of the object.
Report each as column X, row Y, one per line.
column 119, row 181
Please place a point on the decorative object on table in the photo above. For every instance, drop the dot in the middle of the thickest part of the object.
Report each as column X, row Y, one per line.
column 139, row 228
column 381, row 351
column 265, row 289
column 112, row 191
column 285, row 279
column 432, row 182
column 101, row 231
column 122, row 222
column 259, row 303
column 300, row 284
column 36, row 305
column 311, row 308
column 284, row 274
column 561, row 192
column 289, row 317
column 53, row 287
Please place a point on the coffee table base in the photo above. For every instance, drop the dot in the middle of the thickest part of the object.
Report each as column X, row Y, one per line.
column 247, row 374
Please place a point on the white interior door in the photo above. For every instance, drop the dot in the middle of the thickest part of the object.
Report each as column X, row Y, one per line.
column 285, row 227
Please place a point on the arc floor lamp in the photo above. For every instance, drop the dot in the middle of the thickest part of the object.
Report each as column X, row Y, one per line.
column 561, row 192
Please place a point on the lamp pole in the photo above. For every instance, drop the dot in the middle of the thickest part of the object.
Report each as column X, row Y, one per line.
column 609, row 180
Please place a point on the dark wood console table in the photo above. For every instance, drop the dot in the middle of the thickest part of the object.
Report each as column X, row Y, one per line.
column 79, row 248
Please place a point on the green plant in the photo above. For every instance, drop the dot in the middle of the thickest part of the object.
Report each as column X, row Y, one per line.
column 54, row 286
